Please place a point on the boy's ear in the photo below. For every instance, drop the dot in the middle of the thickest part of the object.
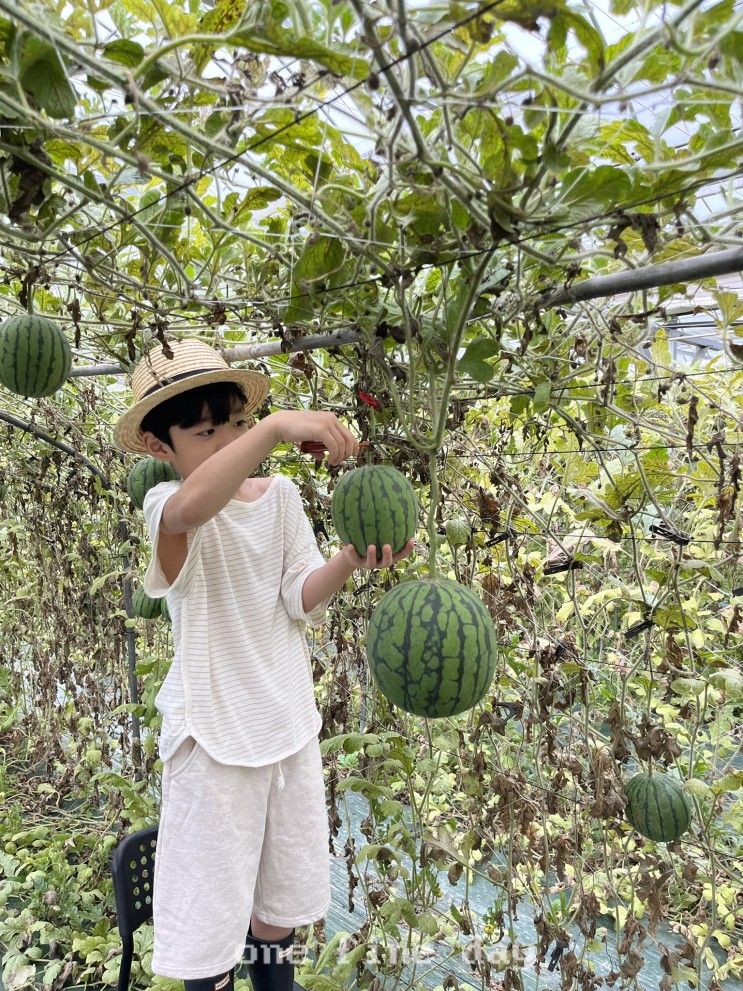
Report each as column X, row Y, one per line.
column 156, row 448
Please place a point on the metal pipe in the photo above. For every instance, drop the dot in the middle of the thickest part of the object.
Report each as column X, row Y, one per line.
column 685, row 270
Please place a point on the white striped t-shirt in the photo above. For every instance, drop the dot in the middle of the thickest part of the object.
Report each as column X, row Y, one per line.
column 241, row 679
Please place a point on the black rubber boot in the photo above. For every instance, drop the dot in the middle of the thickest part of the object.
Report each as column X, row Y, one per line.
column 270, row 963
column 223, row 982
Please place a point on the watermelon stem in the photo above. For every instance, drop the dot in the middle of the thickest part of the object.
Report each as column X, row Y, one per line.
column 432, row 535
column 467, row 294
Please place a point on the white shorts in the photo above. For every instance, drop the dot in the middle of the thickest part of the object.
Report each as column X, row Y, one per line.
column 231, row 842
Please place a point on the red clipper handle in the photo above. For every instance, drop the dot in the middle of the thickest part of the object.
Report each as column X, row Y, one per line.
column 317, row 449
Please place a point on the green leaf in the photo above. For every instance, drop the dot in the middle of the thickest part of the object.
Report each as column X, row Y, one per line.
column 660, row 350
column 617, row 138
column 526, row 12
column 280, row 127
column 155, row 74
column 728, row 782
column 519, row 404
column 125, row 52
column 730, row 304
column 99, row 85
column 7, row 30
column 587, row 35
column 425, row 214
column 460, row 217
column 257, row 198
column 604, row 185
column 553, row 158
column 497, row 71
column 219, row 19
column 42, row 75
column 282, row 42
column 542, row 393
column 178, row 21
column 473, row 362
column 731, row 45
column 319, row 259
column 658, row 65
column 347, row 742
column 367, row 788
column 455, row 307
column 60, row 151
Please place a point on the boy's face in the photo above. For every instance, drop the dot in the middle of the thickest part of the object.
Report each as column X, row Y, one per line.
column 191, row 447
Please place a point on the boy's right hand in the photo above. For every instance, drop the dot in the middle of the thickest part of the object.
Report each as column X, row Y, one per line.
column 295, row 426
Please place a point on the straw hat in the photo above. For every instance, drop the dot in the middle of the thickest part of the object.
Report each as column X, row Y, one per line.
column 157, row 378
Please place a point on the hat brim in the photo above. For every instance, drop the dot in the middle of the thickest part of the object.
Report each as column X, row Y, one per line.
column 126, row 430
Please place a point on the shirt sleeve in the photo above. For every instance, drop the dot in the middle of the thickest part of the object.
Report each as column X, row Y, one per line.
column 156, row 585
column 301, row 557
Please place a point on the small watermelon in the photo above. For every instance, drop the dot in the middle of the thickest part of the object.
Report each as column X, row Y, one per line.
column 657, row 806
column 144, row 606
column 374, row 504
column 35, row 357
column 145, row 474
column 458, row 531
column 432, row 647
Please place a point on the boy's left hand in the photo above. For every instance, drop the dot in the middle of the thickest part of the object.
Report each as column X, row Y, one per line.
column 370, row 562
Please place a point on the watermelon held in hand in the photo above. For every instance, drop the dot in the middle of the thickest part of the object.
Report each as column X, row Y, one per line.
column 657, row 806
column 147, row 473
column 144, row 606
column 432, row 647
column 374, row 504
column 35, row 357
column 458, row 531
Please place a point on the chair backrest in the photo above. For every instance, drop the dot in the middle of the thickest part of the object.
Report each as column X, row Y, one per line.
column 133, row 869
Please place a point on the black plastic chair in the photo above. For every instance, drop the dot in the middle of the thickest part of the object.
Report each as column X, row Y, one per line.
column 133, row 870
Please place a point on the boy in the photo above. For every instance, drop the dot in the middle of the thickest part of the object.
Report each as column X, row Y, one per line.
column 243, row 822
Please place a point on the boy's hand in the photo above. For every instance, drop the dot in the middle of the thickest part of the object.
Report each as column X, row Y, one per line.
column 295, row 426
column 370, row 562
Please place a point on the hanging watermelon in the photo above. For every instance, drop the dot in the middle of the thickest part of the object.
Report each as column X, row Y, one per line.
column 145, row 474
column 35, row 357
column 144, row 606
column 657, row 806
column 432, row 647
column 374, row 504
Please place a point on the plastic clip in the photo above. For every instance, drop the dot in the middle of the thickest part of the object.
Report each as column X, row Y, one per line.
column 638, row 628
column 570, row 565
column 661, row 530
column 499, row 538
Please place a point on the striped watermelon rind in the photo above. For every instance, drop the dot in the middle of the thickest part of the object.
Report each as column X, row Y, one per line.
column 164, row 611
column 657, row 806
column 431, row 647
column 144, row 606
column 147, row 473
column 35, row 356
column 374, row 504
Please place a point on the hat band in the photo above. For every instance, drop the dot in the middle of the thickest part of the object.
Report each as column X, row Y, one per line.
column 177, row 378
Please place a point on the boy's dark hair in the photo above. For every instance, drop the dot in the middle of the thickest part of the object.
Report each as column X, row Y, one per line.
column 185, row 409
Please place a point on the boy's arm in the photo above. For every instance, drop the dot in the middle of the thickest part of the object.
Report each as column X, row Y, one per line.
column 210, row 487
column 325, row 581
